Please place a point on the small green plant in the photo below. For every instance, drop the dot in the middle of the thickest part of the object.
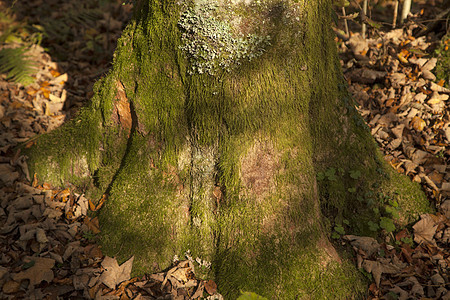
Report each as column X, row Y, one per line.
column 355, row 174
column 387, row 224
column 373, row 226
column 441, row 154
column 407, row 240
column 17, row 66
column 329, row 174
column 338, row 231
column 352, row 190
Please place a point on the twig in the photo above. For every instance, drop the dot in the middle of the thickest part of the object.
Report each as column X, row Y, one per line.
column 363, row 15
column 345, row 22
column 434, row 22
column 394, row 20
column 405, row 10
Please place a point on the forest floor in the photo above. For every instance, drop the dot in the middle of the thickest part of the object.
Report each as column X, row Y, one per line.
column 48, row 238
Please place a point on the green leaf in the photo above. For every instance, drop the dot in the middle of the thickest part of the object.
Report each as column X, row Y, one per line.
column 393, row 203
column 320, row 176
column 341, row 3
column 339, row 229
column 335, row 235
column 330, row 171
column 346, row 222
column 14, row 62
column 355, row 174
column 331, row 174
column 387, row 224
column 351, row 190
column 373, row 226
column 250, row 296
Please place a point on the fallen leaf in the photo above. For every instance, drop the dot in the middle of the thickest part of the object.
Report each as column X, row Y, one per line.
column 210, row 287
column 437, row 98
column 424, row 230
column 40, row 271
column 92, row 224
column 367, row 244
column 115, row 274
column 437, row 88
column 374, row 268
column 11, row 287
column 418, row 123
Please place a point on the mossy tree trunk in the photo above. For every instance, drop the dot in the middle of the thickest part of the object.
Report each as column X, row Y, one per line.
column 207, row 135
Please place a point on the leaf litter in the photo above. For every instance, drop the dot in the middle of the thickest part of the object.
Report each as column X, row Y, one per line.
column 406, row 108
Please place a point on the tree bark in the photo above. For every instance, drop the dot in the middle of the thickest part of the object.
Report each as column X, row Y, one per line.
column 207, row 135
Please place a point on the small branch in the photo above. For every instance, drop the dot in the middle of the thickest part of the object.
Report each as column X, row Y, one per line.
column 394, row 20
column 434, row 22
column 345, row 22
column 405, row 10
column 363, row 16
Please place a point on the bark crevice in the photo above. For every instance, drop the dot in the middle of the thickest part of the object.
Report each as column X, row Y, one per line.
column 133, row 131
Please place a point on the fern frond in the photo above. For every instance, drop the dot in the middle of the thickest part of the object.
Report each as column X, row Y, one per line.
column 17, row 66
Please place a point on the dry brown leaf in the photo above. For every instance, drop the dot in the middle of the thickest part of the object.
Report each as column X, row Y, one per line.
column 365, row 75
column 11, row 287
column 92, row 224
column 437, row 88
column 445, row 208
column 429, row 182
column 210, row 287
column 425, row 229
column 115, row 274
column 437, row 98
column 8, row 174
column 402, row 294
column 409, row 166
column 367, row 244
column 430, row 64
column 420, row 156
column 40, row 271
column 199, row 292
column 420, row 97
column 428, row 75
column 374, row 268
column 398, row 130
column 417, row 123
column 398, row 79
column 388, row 119
column 418, row 61
column 180, row 274
column 436, row 177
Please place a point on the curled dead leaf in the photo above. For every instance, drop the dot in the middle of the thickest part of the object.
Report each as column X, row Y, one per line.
column 417, row 123
column 425, row 229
